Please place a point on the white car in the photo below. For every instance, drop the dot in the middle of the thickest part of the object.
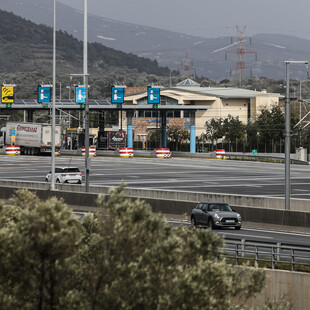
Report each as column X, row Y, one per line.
column 66, row 175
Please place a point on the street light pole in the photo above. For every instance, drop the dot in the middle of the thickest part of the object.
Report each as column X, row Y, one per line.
column 53, row 103
column 287, row 134
column 287, row 140
column 85, row 77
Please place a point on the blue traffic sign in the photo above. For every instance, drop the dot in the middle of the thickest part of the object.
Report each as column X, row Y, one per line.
column 44, row 94
column 117, row 94
column 153, row 95
column 80, row 94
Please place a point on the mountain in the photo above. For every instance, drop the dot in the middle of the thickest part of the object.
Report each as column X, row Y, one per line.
column 26, row 47
column 206, row 56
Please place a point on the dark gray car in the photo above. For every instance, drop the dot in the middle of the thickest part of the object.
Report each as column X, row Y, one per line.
column 215, row 214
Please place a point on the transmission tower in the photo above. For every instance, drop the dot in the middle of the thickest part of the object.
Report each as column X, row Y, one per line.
column 241, row 65
column 187, row 66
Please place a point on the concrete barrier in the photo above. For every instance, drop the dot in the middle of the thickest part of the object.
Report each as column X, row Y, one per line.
column 12, row 150
column 91, row 151
column 234, row 200
column 126, row 152
column 75, row 195
column 284, row 285
column 163, row 153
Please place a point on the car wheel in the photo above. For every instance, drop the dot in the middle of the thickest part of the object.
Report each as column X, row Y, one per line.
column 46, row 180
column 193, row 222
column 210, row 223
column 238, row 227
column 79, row 182
column 57, row 181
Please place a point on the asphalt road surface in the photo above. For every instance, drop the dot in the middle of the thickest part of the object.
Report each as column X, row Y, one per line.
column 265, row 235
column 179, row 174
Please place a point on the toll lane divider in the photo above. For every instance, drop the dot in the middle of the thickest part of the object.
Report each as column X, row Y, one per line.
column 163, row 153
column 126, row 152
column 92, row 151
column 12, row 150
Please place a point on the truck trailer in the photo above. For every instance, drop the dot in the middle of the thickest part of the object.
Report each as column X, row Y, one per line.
column 33, row 138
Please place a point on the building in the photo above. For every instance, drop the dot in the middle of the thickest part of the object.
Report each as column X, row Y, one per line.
column 206, row 103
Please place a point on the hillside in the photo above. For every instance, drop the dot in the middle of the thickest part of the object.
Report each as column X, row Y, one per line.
column 206, row 55
column 27, row 47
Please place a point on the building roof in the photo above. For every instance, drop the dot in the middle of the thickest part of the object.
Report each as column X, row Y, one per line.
column 188, row 82
column 222, row 92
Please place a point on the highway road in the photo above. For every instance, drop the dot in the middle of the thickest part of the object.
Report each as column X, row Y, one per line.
column 254, row 232
column 260, row 235
column 199, row 175
column 179, row 174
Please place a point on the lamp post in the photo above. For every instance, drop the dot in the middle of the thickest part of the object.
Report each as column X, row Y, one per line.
column 53, row 103
column 287, row 133
column 85, row 77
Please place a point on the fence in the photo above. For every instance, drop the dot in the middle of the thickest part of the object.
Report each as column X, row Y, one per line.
column 265, row 252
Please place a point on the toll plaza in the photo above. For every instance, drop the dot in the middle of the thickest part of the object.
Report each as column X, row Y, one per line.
column 127, row 113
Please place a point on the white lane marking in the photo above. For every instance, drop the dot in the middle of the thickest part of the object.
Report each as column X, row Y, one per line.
column 251, row 229
column 277, row 232
column 242, row 235
column 178, row 222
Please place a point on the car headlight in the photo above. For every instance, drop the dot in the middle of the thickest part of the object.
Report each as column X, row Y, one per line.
column 239, row 217
column 216, row 216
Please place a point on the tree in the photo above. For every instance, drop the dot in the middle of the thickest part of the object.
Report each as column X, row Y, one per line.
column 154, row 138
column 177, row 134
column 121, row 257
column 36, row 240
column 270, row 125
column 251, row 135
column 214, row 130
column 135, row 260
column 233, row 129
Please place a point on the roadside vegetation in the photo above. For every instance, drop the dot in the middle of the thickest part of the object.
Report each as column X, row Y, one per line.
column 265, row 134
column 122, row 257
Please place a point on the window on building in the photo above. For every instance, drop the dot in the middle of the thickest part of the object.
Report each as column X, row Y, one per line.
column 170, row 114
column 187, row 113
column 164, row 100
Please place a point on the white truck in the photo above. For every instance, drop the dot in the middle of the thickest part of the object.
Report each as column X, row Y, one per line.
column 33, row 138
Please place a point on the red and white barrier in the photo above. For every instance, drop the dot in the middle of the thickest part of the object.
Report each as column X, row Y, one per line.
column 12, row 150
column 163, row 153
column 92, row 151
column 220, row 154
column 126, row 152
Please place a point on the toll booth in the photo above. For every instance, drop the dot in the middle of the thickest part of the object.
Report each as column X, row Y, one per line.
column 75, row 139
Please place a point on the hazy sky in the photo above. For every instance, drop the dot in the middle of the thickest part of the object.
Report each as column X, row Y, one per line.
column 208, row 18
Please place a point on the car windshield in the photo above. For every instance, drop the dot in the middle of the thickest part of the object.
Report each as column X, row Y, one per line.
column 220, row 207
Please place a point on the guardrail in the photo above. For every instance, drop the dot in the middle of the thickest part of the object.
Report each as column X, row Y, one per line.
column 266, row 252
column 263, row 157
